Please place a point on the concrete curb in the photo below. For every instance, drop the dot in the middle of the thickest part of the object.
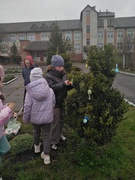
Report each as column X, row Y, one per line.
column 129, row 74
column 129, row 102
column 10, row 81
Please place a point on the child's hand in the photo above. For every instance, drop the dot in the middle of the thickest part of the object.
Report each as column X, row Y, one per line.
column 11, row 105
column 67, row 82
column 15, row 115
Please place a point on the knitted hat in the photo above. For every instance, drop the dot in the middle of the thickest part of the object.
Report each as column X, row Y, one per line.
column 57, row 61
column 36, row 73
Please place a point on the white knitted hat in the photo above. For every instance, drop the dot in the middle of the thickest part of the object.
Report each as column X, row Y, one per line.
column 36, row 73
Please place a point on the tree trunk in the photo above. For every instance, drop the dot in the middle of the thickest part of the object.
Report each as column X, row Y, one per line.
column 123, row 61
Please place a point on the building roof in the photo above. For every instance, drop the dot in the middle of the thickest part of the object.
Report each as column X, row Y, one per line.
column 64, row 25
column 36, row 46
column 123, row 22
column 88, row 6
column 106, row 14
column 40, row 26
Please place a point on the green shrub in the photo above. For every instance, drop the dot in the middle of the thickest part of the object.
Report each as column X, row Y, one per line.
column 8, row 78
column 68, row 63
column 104, row 107
column 21, row 143
column 13, row 70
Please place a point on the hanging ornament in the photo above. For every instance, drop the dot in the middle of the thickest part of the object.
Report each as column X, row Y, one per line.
column 71, row 82
column 89, row 93
column 85, row 120
column 116, row 70
column 86, row 64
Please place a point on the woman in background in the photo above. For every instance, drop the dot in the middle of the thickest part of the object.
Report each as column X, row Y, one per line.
column 28, row 66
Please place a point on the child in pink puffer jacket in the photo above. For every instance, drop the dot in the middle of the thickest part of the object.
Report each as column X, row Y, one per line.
column 5, row 114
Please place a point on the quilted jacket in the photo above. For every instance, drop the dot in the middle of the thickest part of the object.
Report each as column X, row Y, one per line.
column 39, row 102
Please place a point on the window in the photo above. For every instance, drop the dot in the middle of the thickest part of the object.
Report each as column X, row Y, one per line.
column 87, row 29
column 77, row 47
column 68, row 35
column 101, row 23
column 31, row 37
column 4, row 51
column 6, row 39
column 45, row 54
column 12, row 38
column 38, row 54
column 21, row 37
column 119, row 46
column 77, row 35
column 110, row 22
column 130, row 46
column 130, row 33
column 88, row 42
column 110, row 35
column 87, row 12
column 100, row 45
column 100, row 34
column 120, row 34
column 45, row 36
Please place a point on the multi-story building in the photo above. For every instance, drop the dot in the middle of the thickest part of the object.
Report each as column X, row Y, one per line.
column 93, row 28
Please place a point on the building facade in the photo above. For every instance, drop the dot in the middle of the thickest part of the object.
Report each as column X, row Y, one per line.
column 93, row 28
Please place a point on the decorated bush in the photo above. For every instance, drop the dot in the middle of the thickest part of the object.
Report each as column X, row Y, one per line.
column 93, row 108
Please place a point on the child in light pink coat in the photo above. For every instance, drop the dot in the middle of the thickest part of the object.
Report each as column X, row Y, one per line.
column 38, row 109
column 5, row 114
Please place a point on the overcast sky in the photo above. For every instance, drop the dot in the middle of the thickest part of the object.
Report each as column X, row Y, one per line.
column 45, row 10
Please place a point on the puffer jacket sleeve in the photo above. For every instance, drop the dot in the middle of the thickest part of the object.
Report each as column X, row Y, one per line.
column 56, row 86
column 27, row 108
column 5, row 114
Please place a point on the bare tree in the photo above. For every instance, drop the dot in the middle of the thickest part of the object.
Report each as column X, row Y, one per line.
column 126, row 46
column 3, row 35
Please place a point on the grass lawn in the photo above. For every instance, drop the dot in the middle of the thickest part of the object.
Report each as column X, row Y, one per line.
column 74, row 160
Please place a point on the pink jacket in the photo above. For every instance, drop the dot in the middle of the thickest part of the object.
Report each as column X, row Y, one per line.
column 5, row 114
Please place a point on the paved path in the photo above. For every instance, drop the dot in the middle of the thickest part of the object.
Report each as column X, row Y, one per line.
column 14, row 92
column 125, row 83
